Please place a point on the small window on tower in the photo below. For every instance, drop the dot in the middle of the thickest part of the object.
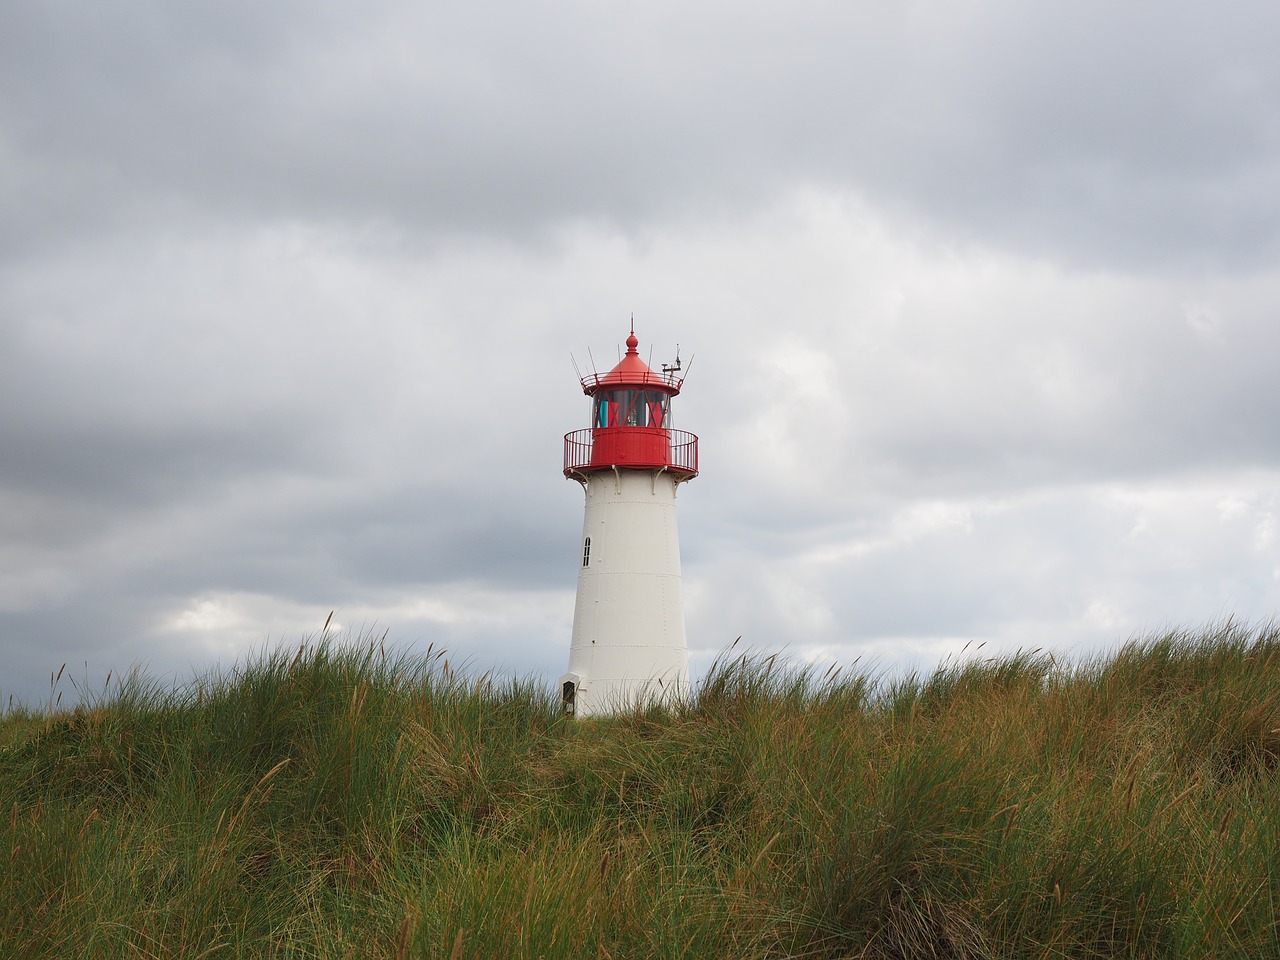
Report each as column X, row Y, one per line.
column 586, row 552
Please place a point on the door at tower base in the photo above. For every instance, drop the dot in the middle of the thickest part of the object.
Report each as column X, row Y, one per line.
column 628, row 647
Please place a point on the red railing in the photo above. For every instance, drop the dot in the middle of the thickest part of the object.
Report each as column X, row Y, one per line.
column 684, row 452
column 577, row 451
column 681, row 453
column 594, row 381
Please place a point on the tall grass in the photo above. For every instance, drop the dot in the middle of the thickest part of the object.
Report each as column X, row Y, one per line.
column 336, row 801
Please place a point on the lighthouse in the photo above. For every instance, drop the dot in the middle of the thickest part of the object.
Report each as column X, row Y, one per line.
column 629, row 647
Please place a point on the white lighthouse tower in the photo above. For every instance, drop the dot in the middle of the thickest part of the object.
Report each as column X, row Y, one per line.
column 628, row 644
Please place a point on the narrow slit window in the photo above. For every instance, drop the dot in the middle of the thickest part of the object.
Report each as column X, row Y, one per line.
column 586, row 552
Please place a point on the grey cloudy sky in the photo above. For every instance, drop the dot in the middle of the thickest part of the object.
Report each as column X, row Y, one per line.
column 983, row 297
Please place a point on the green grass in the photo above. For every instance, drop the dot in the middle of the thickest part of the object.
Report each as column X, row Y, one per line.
column 333, row 801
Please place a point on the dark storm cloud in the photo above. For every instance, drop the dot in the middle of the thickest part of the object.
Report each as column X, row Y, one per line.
column 122, row 469
column 1116, row 133
column 1109, row 133
column 407, row 541
column 200, row 431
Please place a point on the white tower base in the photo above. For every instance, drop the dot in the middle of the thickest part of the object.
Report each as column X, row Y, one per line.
column 629, row 647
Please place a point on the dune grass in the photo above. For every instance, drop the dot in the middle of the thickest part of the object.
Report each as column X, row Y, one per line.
column 333, row 801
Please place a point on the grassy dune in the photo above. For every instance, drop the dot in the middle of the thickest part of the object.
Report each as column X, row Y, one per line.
column 334, row 802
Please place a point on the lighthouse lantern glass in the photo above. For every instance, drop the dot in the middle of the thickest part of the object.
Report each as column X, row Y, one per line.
column 630, row 408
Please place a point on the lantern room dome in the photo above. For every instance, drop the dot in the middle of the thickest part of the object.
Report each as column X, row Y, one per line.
column 631, row 371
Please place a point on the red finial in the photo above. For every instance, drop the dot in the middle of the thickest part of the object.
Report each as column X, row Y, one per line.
column 632, row 343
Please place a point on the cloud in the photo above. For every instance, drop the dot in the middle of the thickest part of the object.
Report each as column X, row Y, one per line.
column 980, row 304
column 1081, row 132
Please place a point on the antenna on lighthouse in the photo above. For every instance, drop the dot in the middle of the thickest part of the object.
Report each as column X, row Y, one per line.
column 670, row 368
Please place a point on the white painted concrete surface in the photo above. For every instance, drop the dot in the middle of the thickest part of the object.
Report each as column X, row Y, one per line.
column 628, row 643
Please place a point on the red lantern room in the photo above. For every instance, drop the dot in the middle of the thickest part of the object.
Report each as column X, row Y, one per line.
column 631, row 422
